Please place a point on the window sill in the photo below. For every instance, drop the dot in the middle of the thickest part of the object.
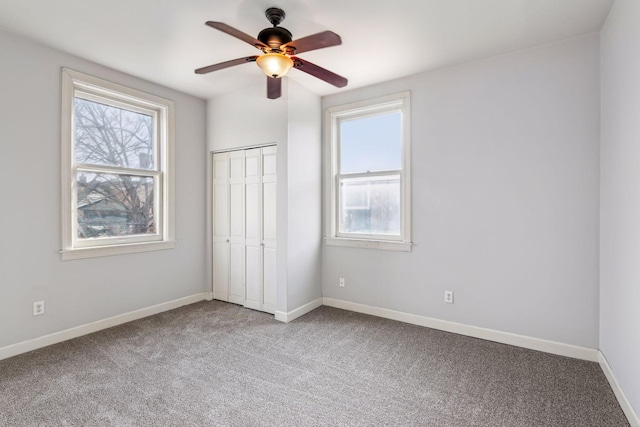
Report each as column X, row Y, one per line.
column 369, row 244
column 100, row 251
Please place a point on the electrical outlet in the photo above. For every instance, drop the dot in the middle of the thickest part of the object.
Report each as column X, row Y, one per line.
column 38, row 308
column 342, row 283
column 448, row 297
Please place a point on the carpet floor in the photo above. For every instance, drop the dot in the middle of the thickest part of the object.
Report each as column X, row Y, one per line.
column 214, row 363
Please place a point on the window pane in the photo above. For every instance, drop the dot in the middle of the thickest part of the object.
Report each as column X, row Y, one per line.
column 370, row 205
column 111, row 136
column 371, row 143
column 111, row 205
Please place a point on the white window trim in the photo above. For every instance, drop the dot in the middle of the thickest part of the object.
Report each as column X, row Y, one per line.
column 397, row 102
column 73, row 81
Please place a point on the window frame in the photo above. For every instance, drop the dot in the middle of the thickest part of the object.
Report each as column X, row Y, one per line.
column 333, row 117
column 93, row 89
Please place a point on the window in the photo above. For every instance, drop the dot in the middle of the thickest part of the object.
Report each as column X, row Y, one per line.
column 368, row 179
column 117, row 169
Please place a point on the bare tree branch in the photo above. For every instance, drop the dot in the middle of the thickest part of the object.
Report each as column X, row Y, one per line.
column 113, row 204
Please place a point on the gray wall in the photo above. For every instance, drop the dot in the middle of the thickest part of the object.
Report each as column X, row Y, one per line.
column 505, row 197
column 80, row 291
column 620, row 198
column 305, row 197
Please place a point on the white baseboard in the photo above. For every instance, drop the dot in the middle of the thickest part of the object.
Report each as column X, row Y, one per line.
column 89, row 328
column 208, row 296
column 552, row 347
column 302, row 310
column 622, row 398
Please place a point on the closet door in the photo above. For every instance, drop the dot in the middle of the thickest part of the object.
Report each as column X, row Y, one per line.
column 221, row 229
column 236, row 227
column 253, row 237
column 244, row 237
column 269, row 229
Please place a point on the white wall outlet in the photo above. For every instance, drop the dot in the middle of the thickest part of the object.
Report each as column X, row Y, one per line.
column 342, row 282
column 38, row 308
column 448, row 297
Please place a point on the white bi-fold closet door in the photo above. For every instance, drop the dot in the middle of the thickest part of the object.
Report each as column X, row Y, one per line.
column 244, row 227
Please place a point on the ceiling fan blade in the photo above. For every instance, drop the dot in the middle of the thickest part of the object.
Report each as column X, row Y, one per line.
column 226, row 64
column 236, row 33
column 274, row 88
column 315, row 41
column 319, row 72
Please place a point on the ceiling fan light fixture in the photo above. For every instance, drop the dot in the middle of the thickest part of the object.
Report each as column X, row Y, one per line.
column 274, row 64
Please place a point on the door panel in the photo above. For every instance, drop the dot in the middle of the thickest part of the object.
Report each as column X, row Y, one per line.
column 269, row 209
column 221, row 271
column 221, row 227
column 252, row 163
column 220, row 166
column 253, row 229
column 236, row 165
column 269, row 184
column 269, row 161
column 221, row 208
column 236, row 201
column 236, row 274
column 236, row 196
column 253, row 214
column 269, row 279
column 253, row 198
column 254, row 277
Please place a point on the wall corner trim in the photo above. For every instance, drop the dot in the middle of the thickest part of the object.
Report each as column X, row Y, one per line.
column 89, row 328
column 300, row 311
column 628, row 410
column 509, row 338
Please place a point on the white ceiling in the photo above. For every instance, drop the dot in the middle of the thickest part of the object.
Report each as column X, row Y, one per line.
column 165, row 40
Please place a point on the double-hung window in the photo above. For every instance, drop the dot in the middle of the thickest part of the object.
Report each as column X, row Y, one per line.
column 368, row 178
column 117, row 177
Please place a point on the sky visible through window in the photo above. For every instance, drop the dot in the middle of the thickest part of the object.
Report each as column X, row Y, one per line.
column 371, row 144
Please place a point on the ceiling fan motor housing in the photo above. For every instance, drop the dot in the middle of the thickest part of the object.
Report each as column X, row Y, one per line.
column 275, row 37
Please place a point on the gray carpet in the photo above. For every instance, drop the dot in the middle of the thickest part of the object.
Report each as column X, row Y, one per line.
column 214, row 363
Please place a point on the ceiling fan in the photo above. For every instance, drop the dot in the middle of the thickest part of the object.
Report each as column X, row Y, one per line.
column 278, row 52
